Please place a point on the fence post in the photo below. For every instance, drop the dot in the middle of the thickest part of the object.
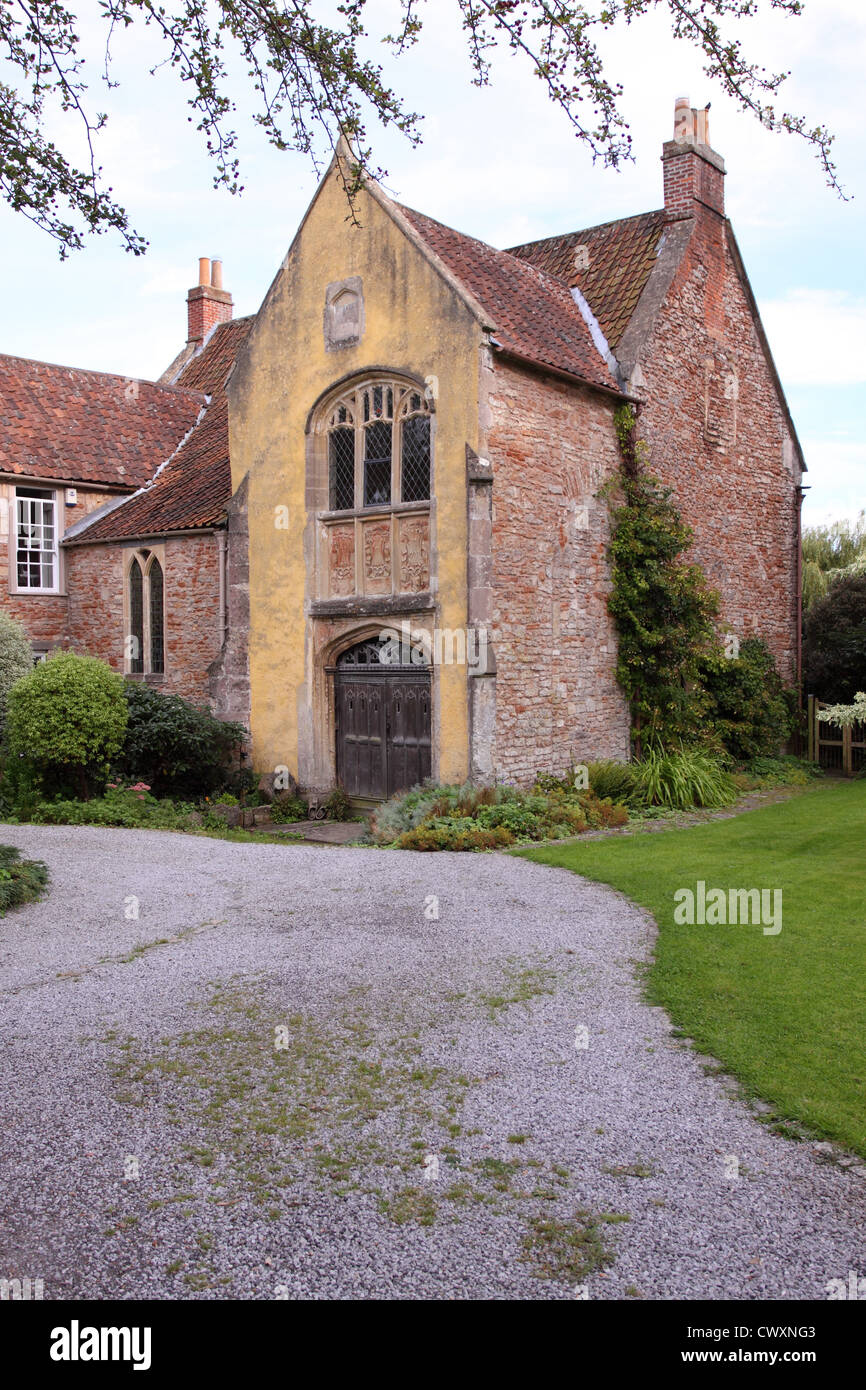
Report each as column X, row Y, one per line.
column 810, row 717
column 847, row 751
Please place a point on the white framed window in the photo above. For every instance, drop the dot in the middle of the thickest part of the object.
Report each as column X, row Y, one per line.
column 37, row 562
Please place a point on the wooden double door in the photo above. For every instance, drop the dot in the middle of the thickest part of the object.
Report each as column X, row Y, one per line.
column 383, row 724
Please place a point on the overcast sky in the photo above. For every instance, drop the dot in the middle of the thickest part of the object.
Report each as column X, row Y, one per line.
column 501, row 164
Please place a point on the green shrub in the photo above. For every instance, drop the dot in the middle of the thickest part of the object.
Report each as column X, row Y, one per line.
column 455, row 833
column 67, row 721
column 748, row 709
column 16, row 658
column 180, row 749
column 468, row 817
column 782, row 772
column 338, row 806
column 618, row 781
column 21, row 880
column 120, row 806
column 294, row 808
column 684, row 779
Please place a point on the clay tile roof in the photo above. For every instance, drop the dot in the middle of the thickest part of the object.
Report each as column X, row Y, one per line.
column 194, row 487
column 612, row 271
column 88, row 427
column 533, row 312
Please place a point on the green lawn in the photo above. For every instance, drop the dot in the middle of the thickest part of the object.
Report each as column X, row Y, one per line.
column 785, row 1013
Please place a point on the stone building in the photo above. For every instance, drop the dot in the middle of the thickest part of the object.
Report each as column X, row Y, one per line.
column 369, row 520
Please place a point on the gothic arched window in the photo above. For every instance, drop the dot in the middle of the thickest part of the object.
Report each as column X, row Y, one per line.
column 144, row 644
column 378, row 446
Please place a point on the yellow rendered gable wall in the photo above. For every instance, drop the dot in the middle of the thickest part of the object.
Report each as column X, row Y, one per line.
column 416, row 322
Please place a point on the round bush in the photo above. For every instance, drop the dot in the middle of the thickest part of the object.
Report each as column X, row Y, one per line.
column 67, row 718
column 16, row 658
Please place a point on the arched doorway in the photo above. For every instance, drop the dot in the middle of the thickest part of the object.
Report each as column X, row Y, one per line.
column 382, row 723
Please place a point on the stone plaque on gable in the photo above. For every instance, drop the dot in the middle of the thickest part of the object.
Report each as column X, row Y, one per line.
column 344, row 313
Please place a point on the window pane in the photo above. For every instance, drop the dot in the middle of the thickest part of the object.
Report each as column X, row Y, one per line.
column 135, row 638
column 342, row 470
column 377, row 463
column 157, row 641
column 416, row 458
column 36, row 561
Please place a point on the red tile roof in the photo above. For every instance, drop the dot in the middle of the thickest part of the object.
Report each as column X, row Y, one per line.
column 618, row 259
column 88, row 427
column 195, row 486
column 533, row 312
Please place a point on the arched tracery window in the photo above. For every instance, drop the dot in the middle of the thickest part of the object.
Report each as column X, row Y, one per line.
column 378, row 446
column 145, row 607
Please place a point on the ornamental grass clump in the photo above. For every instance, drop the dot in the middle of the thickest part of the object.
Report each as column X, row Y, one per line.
column 678, row 781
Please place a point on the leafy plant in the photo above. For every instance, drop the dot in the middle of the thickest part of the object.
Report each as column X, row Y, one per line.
column 180, row 749
column 120, row 806
column 748, row 709
column 661, row 604
column 846, row 716
column 16, row 658
column 284, row 812
column 465, row 817
column 683, row 779
column 618, row 781
column 67, row 720
column 338, row 806
column 21, row 880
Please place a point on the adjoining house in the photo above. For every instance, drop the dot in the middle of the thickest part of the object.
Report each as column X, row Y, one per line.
column 369, row 519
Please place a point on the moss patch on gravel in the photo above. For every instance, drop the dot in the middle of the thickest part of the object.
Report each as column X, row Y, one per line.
column 274, row 1110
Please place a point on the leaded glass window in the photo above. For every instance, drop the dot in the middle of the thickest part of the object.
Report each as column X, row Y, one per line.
column 379, row 447
column 145, row 610
column 157, row 639
column 135, row 643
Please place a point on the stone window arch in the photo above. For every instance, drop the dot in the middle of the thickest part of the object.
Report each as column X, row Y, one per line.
column 379, row 445
column 144, row 612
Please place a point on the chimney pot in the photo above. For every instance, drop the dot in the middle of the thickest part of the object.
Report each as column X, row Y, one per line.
column 693, row 173
column 207, row 303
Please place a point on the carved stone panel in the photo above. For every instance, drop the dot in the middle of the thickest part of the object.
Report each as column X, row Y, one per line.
column 344, row 313
column 341, row 560
column 377, row 557
column 414, row 554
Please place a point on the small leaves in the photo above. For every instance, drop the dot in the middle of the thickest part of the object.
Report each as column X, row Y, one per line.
column 309, row 83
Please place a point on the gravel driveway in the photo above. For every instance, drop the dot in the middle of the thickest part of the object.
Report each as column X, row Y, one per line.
column 318, row 1073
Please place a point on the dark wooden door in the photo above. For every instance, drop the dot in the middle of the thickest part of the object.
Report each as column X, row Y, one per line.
column 407, row 730
column 361, row 744
column 382, row 725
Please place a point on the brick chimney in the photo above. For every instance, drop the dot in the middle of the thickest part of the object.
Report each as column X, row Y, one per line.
column 207, row 303
column 694, row 173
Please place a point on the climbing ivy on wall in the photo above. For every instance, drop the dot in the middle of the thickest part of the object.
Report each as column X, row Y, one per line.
column 662, row 606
